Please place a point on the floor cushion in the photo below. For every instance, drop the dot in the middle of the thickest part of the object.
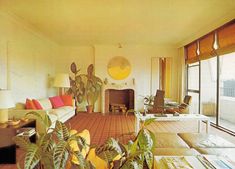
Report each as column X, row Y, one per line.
column 169, row 140
column 205, row 140
column 227, row 152
column 175, row 152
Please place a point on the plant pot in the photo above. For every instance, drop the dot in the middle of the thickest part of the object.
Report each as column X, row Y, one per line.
column 89, row 108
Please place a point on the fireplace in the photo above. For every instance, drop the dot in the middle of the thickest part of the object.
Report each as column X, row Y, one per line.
column 118, row 96
column 119, row 101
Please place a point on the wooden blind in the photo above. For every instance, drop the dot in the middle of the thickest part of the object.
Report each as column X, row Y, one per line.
column 191, row 53
column 226, row 38
column 225, row 41
column 206, row 46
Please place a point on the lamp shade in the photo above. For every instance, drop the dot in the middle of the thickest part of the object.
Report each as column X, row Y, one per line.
column 62, row 80
column 6, row 100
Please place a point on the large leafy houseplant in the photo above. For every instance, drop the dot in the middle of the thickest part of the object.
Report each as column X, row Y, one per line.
column 85, row 86
column 136, row 154
column 53, row 150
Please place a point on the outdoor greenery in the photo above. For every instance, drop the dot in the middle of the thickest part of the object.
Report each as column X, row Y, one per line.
column 53, row 150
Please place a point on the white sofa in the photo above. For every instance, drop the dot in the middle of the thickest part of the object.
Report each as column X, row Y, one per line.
column 62, row 113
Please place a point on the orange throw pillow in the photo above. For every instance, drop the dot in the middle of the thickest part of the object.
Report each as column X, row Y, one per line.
column 29, row 104
column 37, row 104
column 67, row 100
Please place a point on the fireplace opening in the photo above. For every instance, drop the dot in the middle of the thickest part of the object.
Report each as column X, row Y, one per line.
column 119, row 101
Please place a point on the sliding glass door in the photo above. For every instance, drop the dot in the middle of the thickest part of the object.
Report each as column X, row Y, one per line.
column 210, row 96
column 227, row 91
column 193, row 86
column 209, row 87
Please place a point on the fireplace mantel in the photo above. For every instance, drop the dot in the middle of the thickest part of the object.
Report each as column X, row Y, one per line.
column 116, row 86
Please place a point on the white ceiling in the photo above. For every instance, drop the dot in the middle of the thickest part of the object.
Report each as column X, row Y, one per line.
column 87, row 22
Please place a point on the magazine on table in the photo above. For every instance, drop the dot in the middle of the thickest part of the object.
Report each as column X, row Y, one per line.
column 219, row 162
column 176, row 163
column 26, row 131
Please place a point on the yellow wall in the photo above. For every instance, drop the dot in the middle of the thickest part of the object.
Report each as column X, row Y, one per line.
column 32, row 60
column 28, row 58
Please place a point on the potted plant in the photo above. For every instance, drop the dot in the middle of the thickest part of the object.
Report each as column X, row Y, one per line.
column 54, row 149
column 85, row 86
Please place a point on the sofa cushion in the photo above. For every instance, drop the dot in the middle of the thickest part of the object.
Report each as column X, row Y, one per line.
column 169, row 140
column 62, row 111
column 204, row 140
column 45, row 103
column 56, row 102
column 37, row 104
column 67, row 100
column 175, row 152
column 29, row 104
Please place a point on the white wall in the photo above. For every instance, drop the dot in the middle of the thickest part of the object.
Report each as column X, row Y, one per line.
column 31, row 61
column 139, row 57
column 29, row 58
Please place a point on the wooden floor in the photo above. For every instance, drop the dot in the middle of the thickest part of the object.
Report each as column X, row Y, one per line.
column 122, row 127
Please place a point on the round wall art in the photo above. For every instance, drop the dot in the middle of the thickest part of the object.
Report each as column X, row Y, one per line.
column 119, row 68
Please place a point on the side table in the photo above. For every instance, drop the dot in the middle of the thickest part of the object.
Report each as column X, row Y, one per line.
column 7, row 145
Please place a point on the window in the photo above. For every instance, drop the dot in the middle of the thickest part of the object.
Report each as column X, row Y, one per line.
column 211, row 76
column 209, row 87
column 227, row 91
column 193, row 87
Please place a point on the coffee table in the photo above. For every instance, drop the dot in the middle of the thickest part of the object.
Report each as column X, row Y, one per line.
column 170, row 117
column 7, row 145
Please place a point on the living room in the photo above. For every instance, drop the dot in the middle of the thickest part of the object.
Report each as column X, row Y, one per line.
column 41, row 39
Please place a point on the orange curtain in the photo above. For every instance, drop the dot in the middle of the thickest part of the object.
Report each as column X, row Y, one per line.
column 191, row 53
column 226, row 38
column 206, row 46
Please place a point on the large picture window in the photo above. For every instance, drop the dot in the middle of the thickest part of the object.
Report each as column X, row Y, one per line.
column 211, row 76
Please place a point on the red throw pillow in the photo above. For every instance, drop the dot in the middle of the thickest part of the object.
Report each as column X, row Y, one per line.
column 67, row 100
column 29, row 104
column 37, row 104
column 56, row 102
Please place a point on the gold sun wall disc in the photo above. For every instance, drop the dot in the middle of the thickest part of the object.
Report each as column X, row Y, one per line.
column 119, row 68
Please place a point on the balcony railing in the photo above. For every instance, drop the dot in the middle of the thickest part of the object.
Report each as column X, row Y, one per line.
column 227, row 91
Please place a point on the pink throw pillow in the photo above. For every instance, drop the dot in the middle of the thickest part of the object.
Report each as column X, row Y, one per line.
column 56, row 102
column 37, row 105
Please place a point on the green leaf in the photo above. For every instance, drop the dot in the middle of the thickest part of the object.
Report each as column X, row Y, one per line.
column 46, row 160
column 81, row 160
column 133, row 147
column 149, row 121
column 32, row 156
column 131, row 165
column 148, row 155
column 109, row 150
column 46, row 142
column 153, row 137
column 46, row 120
column 22, row 142
column 145, row 141
column 73, row 68
column 61, row 131
column 60, row 155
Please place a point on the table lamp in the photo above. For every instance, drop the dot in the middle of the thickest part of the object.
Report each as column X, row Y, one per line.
column 62, row 81
column 6, row 102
